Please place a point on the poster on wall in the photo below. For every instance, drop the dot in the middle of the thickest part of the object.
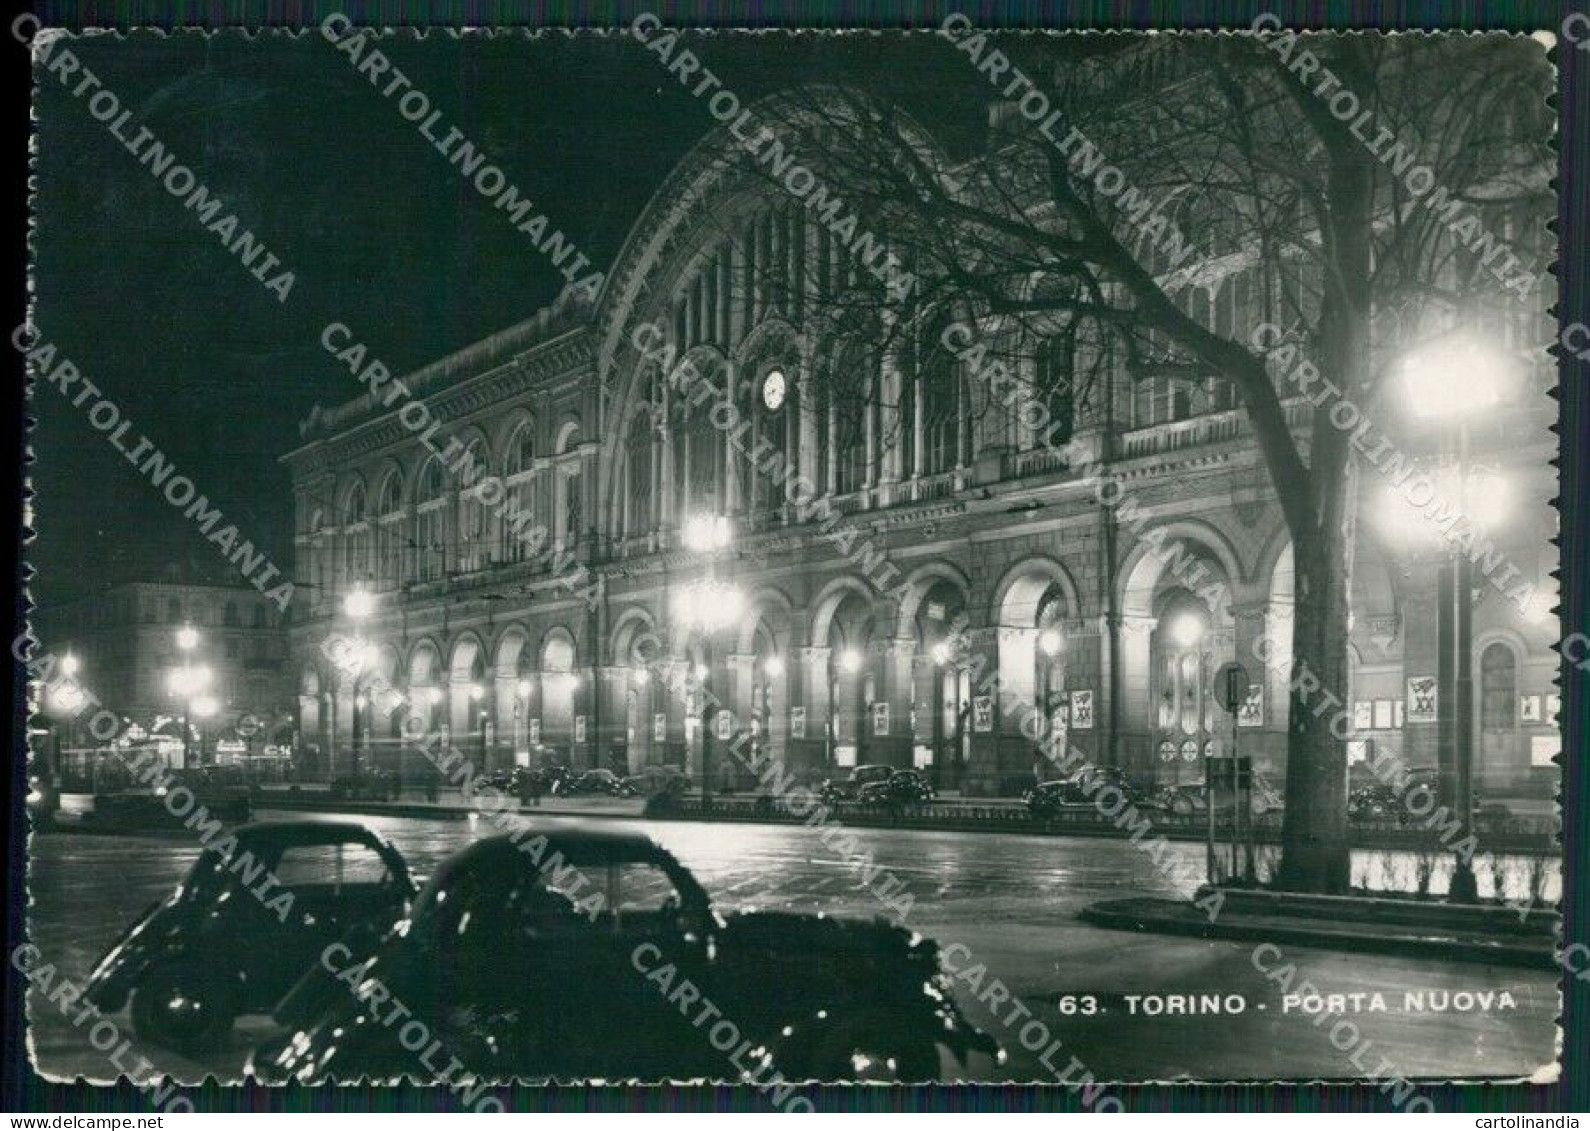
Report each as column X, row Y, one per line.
column 1060, row 722
column 1251, row 712
column 725, row 725
column 983, row 714
column 1543, row 748
column 579, row 728
column 659, row 728
column 797, row 722
column 1385, row 714
column 1363, row 715
column 880, row 719
column 1553, row 709
column 1529, row 709
column 1421, row 699
column 1082, row 710
column 535, row 732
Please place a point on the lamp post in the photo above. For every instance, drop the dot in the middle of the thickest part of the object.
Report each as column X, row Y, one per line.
column 186, row 681
column 521, row 706
column 477, row 696
column 1448, row 381
column 358, row 604
column 68, row 698
column 942, row 654
column 772, row 669
column 1186, row 632
column 1050, row 644
column 708, row 605
column 848, row 663
column 204, row 707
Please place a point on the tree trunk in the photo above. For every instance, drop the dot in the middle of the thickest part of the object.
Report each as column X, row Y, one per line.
column 1315, row 855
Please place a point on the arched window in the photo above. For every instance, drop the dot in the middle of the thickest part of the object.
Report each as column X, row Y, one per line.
column 1498, row 687
column 389, row 537
column 570, row 493
column 473, row 468
column 705, row 459
column 356, row 534
column 938, row 389
column 430, row 509
column 638, row 484
column 1055, row 391
column 518, row 516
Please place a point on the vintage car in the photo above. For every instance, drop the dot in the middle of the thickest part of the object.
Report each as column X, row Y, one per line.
column 516, row 970
column 835, row 790
column 903, row 787
column 604, row 782
column 243, row 926
column 1047, row 799
column 1192, row 798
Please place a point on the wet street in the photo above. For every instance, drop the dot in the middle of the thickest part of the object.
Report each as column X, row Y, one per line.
column 1010, row 901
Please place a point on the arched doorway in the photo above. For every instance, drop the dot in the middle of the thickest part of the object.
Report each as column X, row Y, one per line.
column 560, row 730
column 1499, row 759
column 1039, row 672
column 844, row 630
column 941, row 701
column 1177, row 630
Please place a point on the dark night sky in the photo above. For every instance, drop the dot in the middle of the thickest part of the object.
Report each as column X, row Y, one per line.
column 383, row 233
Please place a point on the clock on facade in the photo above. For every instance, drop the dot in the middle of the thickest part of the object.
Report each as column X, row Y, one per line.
column 773, row 390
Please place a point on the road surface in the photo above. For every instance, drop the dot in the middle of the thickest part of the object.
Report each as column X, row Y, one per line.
column 1011, row 902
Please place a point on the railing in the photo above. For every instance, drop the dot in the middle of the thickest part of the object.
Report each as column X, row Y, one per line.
column 1039, row 461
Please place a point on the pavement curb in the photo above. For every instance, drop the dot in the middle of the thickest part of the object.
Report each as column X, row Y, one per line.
column 1440, row 940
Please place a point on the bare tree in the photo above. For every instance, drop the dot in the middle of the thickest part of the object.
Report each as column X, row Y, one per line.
column 1165, row 171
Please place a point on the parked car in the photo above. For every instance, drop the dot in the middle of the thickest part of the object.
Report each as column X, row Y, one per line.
column 368, row 785
column 848, row 789
column 214, row 949
column 1050, row 798
column 594, row 782
column 515, row 979
column 903, row 787
column 1191, row 797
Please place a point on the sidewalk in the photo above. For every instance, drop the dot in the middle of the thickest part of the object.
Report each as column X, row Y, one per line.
column 1426, row 928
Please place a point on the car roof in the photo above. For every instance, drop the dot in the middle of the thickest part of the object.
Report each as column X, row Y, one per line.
column 577, row 841
column 305, row 832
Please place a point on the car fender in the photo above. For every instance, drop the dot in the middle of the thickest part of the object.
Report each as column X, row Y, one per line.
column 151, row 938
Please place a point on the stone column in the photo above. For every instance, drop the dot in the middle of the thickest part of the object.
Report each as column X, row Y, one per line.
column 895, row 689
column 812, row 677
column 1135, row 742
column 987, row 767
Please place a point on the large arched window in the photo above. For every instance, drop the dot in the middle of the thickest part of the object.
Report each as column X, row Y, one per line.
column 570, row 486
column 1056, row 392
column 518, row 516
column 938, row 388
column 430, row 513
column 389, row 538
column 637, row 474
column 356, row 536
column 473, row 547
column 854, row 387
column 705, row 459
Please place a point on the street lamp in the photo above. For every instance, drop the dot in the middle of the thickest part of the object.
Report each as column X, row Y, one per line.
column 187, row 681
column 1051, row 644
column 707, row 605
column 358, row 604
column 1448, row 381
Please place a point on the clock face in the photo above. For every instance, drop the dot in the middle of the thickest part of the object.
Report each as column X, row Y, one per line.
column 773, row 389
